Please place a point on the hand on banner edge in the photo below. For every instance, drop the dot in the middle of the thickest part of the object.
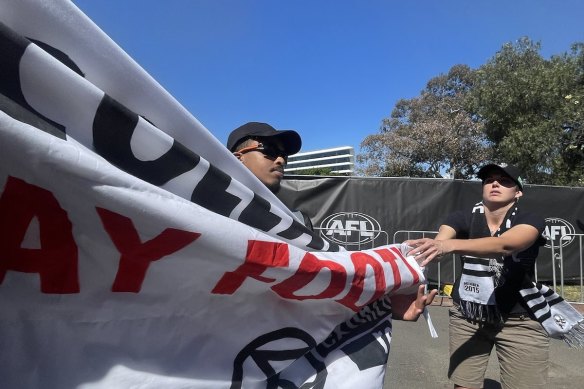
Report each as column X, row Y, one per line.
column 409, row 307
column 425, row 250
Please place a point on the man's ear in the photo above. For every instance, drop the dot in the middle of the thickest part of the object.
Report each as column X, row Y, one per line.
column 237, row 155
column 518, row 194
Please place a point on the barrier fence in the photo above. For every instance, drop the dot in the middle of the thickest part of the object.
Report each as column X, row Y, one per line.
column 443, row 274
column 573, row 293
column 443, row 280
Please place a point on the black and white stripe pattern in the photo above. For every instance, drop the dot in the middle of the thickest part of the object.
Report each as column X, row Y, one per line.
column 480, row 276
column 557, row 317
column 477, row 290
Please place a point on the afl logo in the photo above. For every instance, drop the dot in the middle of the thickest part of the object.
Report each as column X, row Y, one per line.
column 350, row 228
column 558, row 231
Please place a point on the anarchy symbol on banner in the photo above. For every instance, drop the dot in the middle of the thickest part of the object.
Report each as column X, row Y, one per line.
column 258, row 355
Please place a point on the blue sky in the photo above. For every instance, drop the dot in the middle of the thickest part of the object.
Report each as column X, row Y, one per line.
column 330, row 69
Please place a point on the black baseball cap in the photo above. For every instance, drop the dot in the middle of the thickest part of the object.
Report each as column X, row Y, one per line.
column 510, row 170
column 289, row 139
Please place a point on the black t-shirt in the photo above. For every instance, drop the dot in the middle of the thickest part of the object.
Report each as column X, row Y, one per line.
column 507, row 295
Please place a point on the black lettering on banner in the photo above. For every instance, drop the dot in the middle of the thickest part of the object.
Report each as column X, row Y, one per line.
column 257, row 214
column 113, row 127
column 367, row 352
column 211, row 192
column 371, row 318
column 59, row 55
column 316, row 243
column 294, row 231
column 12, row 101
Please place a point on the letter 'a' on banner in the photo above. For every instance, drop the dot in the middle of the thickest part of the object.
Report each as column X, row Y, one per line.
column 135, row 251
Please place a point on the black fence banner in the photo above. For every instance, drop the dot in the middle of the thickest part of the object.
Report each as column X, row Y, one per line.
column 365, row 212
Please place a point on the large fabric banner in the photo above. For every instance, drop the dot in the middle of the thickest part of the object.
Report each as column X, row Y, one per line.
column 135, row 251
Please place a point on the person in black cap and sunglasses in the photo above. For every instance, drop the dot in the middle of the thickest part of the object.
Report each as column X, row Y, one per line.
column 264, row 150
column 498, row 242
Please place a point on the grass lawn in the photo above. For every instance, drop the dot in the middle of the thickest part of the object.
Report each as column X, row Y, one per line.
column 571, row 293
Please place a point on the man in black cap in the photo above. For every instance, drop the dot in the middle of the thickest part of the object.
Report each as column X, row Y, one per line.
column 264, row 150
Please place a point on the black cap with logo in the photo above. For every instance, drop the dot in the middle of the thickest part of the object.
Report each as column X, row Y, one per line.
column 289, row 139
column 512, row 171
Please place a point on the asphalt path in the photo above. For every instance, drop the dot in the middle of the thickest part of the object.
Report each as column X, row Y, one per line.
column 416, row 360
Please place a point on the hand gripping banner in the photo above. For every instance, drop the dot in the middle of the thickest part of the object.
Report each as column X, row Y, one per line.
column 135, row 251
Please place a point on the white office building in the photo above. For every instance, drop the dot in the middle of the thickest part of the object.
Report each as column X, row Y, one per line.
column 339, row 159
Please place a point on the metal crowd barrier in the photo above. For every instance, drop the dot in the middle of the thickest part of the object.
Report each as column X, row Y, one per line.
column 367, row 239
column 435, row 270
column 558, row 259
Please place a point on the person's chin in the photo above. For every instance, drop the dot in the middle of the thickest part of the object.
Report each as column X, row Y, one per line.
column 274, row 186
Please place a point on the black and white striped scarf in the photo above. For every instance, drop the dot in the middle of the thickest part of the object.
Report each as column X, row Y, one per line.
column 557, row 317
column 481, row 277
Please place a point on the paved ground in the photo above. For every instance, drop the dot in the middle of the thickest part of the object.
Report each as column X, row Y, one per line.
column 418, row 361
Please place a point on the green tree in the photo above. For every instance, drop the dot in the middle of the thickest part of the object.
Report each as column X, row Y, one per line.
column 517, row 108
column 316, row 171
column 532, row 111
column 433, row 135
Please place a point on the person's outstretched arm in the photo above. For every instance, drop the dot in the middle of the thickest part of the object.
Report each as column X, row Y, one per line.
column 514, row 240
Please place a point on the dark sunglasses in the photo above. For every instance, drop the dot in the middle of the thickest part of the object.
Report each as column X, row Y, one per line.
column 503, row 181
column 267, row 150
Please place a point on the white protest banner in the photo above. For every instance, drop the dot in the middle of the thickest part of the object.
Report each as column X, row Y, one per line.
column 135, row 251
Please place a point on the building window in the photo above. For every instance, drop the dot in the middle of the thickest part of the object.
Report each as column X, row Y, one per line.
column 338, row 159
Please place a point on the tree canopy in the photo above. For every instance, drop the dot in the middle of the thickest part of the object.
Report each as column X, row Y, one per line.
column 518, row 108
